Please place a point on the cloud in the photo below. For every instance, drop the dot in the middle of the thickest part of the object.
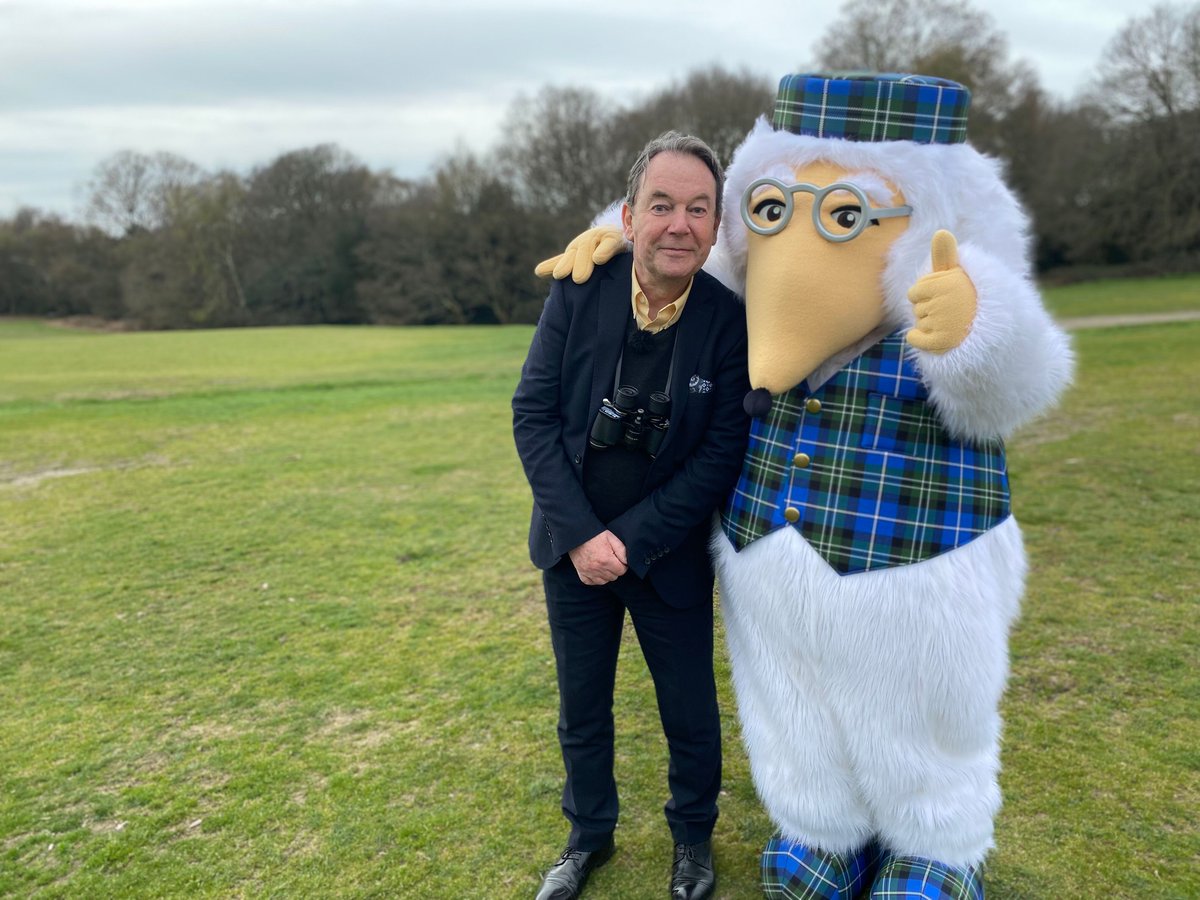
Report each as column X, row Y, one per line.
column 186, row 54
column 232, row 86
column 398, row 84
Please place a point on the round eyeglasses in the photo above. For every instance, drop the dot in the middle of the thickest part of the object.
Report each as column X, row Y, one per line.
column 770, row 214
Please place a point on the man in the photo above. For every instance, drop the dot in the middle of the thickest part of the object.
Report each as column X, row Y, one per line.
column 622, row 521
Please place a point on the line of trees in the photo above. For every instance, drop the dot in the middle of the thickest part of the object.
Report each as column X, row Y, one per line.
column 1112, row 179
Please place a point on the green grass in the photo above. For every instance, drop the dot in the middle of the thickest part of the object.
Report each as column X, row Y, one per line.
column 1174, row 293
column 269, row 628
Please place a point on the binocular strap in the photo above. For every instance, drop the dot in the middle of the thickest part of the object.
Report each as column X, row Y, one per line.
column 670, row 371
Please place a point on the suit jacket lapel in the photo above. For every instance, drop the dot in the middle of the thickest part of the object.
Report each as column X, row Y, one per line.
column 693, row 327
column 613, row 309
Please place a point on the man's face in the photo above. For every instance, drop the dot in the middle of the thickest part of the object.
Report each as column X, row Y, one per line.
column 674, row 225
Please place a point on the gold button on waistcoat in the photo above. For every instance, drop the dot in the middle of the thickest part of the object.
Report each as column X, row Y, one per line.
column 801, row 460
column 792, row 514
column 813, row 405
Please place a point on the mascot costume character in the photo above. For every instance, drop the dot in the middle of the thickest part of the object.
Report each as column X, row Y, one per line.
column 869, row 565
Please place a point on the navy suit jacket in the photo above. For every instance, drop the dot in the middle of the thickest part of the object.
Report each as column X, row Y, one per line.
column 569, row 371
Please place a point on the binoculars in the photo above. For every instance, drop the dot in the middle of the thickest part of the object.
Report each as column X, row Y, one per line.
column 625, row 421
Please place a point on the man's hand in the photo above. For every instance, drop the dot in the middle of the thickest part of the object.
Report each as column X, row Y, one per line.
column 600, row 560
column 592, row 248
column 944, row 300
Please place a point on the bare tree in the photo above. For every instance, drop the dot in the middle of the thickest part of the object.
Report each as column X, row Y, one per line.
column 714, row 104
column 893, row 35
column 1149, row 81
column 130, row 191
column 557, row 152
column 302, row 218
column 457, row 249
column 948, row 38
column 1151, row 69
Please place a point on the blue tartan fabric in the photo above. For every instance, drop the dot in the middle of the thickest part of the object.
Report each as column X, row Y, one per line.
column 793, row 871
column 871, row 478
column 913, row 878
column 875, row 107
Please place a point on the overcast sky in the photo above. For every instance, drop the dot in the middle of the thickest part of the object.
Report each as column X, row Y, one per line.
column 398, row 84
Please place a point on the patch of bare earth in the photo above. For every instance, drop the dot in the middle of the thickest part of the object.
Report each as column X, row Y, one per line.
column 33, row 479
column 95, row 323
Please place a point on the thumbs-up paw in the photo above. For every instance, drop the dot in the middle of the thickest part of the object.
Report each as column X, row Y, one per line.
column 587, row 250
column 944, row 301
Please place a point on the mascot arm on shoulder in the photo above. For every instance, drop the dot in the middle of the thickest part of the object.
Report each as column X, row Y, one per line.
column 594, row 247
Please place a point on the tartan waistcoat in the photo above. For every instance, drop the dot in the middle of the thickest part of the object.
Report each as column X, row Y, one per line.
column 865, row 471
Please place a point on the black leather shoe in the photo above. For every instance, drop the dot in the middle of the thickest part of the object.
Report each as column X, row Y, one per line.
column 566, row 878
column 693, row 876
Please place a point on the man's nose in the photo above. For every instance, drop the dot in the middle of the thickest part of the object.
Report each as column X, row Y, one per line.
column 678, row 221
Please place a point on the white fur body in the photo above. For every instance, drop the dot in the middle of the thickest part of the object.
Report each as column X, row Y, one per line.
column 868, row 702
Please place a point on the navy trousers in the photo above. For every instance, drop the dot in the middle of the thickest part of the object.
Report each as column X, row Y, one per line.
column 585, row 628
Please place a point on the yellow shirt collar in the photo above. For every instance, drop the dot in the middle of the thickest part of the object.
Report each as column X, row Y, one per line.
column 667, row 316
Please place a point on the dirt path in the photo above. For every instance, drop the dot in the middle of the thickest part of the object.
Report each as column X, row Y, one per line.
column 1133, row 319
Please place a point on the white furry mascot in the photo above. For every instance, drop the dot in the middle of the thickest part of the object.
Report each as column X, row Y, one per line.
column 869, row 564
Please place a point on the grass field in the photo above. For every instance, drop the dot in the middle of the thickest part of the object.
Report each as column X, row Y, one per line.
column 269, row 628
column 1125, row 295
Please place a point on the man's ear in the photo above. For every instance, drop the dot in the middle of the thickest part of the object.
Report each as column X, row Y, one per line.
column 627, row 221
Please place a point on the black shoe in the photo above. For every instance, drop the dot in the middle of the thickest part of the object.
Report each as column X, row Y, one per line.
column 693, row 876
column 566, row 878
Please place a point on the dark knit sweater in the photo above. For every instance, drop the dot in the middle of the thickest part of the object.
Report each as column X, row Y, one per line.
column 613, row 477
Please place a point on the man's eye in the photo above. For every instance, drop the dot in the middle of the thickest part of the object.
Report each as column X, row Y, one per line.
column 847, row 216
column 769, row 210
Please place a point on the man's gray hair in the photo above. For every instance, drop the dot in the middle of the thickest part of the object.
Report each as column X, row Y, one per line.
column 674, row 142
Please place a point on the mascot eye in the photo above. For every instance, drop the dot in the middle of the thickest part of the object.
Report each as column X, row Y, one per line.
column 847, row 216
column 770, row 210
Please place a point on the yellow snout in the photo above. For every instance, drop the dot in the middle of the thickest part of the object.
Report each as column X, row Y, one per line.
column 808, row 297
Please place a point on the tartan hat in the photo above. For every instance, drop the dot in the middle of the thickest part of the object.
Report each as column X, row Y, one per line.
column 873, row 107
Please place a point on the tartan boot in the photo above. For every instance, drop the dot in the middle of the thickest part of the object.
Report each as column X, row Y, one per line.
column 915, row 878
column 793, row 871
